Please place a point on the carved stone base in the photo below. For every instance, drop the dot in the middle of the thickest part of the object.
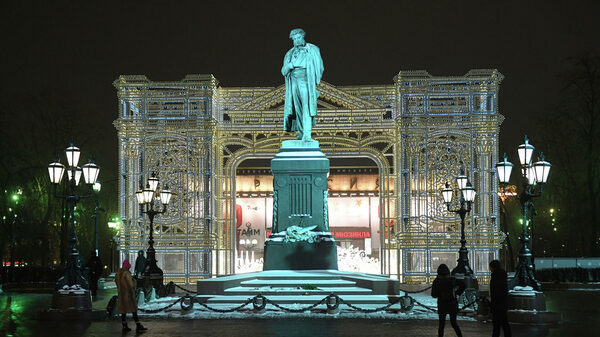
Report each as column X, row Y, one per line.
column 72, row 306
column 72, row 301
column 534, row 300
column 469, row 280
column 530, row 308
column 155, row 280
column 300, row 255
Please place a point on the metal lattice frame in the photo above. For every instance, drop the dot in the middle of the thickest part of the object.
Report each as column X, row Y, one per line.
column 445, row 122
column 417, row 131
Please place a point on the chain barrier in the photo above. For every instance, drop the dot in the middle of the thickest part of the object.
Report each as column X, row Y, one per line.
column 471, row 303
column 332, row 302
column 228, row 310
column 426, row 306
column 295, row 310
column 182, row 288
column 154, row 311
column 192, row 300
column 415, row 291
column 385, row 307
column 461, row 309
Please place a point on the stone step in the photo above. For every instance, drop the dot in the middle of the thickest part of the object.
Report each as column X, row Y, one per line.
column 379, row 300
column 270, row 275
column 323, row 291
column 378, row 284
column 298, row 282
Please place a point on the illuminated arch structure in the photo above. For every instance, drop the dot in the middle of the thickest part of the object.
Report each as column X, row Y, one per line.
column 194, row 134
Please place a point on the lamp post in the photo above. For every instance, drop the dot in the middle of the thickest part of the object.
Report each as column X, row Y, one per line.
column 115, row 226
column 467, row 195
column 534, row 176
column 90, row 172
column 96, row 187
column 146, row 198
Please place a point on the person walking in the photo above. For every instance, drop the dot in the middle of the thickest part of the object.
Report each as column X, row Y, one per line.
column 140, row 264
column 446, row 289
column 95, row 271
column 126, row 292
column 499, row 303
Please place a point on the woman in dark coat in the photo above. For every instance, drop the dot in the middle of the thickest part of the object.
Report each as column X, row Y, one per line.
column 446, row 289
column 127, row 302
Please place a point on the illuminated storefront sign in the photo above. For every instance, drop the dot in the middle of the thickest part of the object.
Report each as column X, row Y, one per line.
column 335, row 183
column 347, row 235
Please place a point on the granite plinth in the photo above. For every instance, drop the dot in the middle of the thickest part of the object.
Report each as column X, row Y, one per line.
column 72, row 306
column 529, row 307
column 300, row 199
column 300, row 255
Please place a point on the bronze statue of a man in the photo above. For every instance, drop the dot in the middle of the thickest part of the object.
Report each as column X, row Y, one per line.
column 302, row 69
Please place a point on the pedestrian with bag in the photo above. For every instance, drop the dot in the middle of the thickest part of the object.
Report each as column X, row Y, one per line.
column 446, row 289
column 499, row 302
column 127, row 302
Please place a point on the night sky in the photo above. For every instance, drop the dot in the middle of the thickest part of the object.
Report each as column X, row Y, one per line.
column 73, row 51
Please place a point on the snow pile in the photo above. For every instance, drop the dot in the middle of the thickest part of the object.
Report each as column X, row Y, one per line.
column 74, row 289
column 522, row 291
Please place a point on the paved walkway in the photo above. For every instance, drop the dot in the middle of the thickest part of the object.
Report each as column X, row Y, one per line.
column 579, row 310
column 267, row 328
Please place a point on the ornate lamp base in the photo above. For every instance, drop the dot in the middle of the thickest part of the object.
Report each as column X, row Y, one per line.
column 155, row 280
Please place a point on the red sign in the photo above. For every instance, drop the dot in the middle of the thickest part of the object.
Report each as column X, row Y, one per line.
column 346, row 235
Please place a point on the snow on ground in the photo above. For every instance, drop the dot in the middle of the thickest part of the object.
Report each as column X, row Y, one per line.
column 199, row 312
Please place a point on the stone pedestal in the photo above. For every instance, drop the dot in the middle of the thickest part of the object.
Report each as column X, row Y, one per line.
column 300, row 255
column 529, row 307
column 300, row 199
column 80, row 301
column 155, row 280
column 469, row 280
column 73, row 305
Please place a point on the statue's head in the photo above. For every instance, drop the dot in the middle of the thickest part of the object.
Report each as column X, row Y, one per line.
column 297, row 35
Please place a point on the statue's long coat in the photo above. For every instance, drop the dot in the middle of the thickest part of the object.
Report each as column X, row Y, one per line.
column 314, row 71
column 126, row 290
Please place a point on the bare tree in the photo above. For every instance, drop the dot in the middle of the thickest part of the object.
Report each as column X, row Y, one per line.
column 572, row 132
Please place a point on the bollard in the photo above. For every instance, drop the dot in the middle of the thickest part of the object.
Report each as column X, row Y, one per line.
column 406, row 303
column 187, row 303
column 140, row 297
column 151, row 295
column 259, row 303
column 112, row 308
column 483, row 306
column 333, row 304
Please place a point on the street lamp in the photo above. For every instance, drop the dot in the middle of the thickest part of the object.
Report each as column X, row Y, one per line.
column 534, row 176
column 115, row 226
column 56, row 172
column 146, row 198
column 467, row 195
column 96, row 187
